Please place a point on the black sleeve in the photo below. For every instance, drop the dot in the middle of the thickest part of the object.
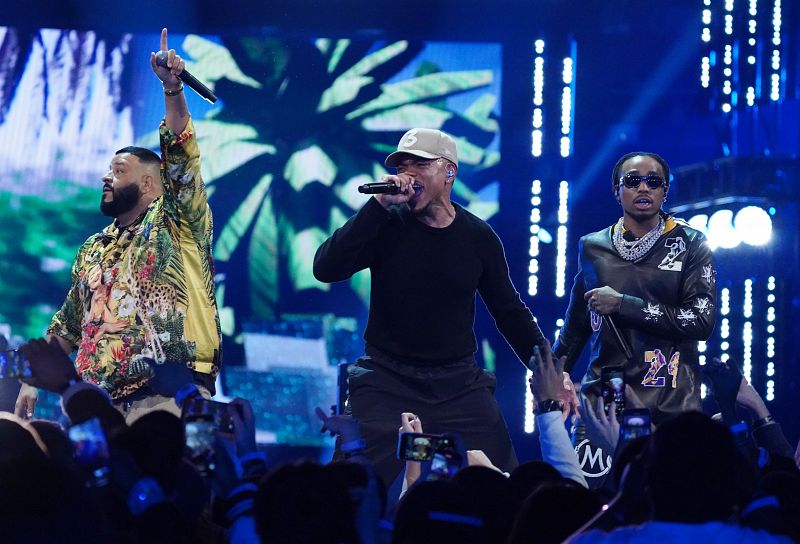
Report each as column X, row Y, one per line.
column 512, row 317
column 576, row 329
column 771, row 438
column 694, row 317
column 352, row 246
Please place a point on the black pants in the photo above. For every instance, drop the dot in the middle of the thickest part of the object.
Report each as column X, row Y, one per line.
column 456, row 397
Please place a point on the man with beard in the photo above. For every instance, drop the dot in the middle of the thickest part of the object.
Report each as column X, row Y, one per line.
column 141, row 311
column 427, row 257
column 651, row 277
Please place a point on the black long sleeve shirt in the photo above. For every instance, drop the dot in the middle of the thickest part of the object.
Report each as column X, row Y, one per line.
column 423, row 283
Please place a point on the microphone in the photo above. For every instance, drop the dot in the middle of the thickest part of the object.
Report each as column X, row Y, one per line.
column 622, row 343
column 381, row 188
column 188, row 79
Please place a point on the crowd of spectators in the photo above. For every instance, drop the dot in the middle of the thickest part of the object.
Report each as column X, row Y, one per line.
column 693, row 479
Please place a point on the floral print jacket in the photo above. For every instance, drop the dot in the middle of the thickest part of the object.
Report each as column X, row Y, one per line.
column 144, row 294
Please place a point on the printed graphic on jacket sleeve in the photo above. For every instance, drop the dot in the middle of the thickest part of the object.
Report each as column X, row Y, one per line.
column 652, row 312
column 677, row 246
column 686, row 316
column 703, row 306
column 708, row 273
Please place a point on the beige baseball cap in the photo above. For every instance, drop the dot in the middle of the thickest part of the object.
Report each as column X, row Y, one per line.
column 427, row 143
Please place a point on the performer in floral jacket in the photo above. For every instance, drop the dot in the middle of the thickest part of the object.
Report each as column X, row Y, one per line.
column 142, row 292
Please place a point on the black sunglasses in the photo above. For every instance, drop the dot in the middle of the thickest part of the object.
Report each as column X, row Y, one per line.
column 632, row 181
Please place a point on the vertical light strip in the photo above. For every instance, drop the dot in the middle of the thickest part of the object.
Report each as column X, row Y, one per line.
column 533, row 250
column 537, row 132
column 567, row 77
column 701, row 358
column 770, row 393
column 747, row 331
column 561, row 238
column 752, row 54
column 729, row 96
column 705, row 72
column 529, row 418
column 775, row 76
column 705, row 61
column 706, row 18
column 725, row 324
column 537, row 145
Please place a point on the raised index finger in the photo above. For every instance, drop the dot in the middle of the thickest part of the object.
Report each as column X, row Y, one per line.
column 320, row 414
column 164, row 39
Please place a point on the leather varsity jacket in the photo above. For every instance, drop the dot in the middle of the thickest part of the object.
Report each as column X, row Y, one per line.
column 669, row 304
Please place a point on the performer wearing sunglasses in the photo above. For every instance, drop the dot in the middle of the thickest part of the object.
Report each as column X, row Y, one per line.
column 644, row 286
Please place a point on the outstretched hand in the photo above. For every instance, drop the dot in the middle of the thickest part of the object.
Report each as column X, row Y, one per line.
column 724, row 379
column 602, row 428
column 549, row 381
column 244, row 425
column 51, row 368
column 338, row 425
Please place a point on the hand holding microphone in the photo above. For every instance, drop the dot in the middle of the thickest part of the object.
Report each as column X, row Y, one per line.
column 391, row 190
column 170, row 69
column 606, row 301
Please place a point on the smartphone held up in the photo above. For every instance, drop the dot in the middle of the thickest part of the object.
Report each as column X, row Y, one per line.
column 91, row 451
column 634, row 422
column 421, row 447
column 612, row 380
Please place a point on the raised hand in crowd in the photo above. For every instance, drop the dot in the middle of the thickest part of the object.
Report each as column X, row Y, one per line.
column 51, row 368
column 480, row 459
column 602, row 427
column 748, row 397
column 410, row 423
column 346, row 428
column 338, row 425
column 549, row 381
column 244, row 425
column 725, row 381
column 569, row 396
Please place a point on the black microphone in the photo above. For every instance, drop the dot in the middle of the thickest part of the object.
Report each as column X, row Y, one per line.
column 381, row 188
column 189, row 79
column 622, row 343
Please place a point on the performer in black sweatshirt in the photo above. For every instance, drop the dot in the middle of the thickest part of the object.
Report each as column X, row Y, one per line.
column 427, row 257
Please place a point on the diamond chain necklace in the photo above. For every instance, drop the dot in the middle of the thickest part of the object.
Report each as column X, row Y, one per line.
column 632, row 251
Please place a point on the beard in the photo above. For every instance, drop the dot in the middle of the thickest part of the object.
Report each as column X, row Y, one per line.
column 124, row 200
